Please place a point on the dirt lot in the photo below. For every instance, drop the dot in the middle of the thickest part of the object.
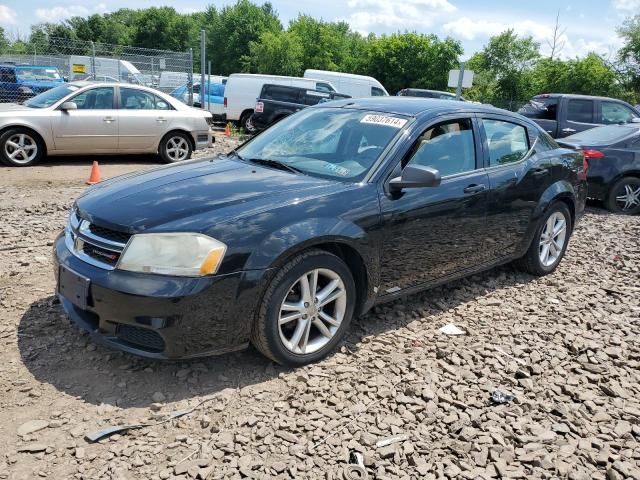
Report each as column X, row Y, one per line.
column 567, row 346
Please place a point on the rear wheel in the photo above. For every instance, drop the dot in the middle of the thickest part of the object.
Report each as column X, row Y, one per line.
column 246, row 122
column 175, row 147
column 549, row 242
column 20, row 147
column 306, row 309
column 624, row 196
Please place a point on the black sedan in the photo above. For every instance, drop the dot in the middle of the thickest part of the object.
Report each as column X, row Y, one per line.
column 613, row 154
column 330, row 211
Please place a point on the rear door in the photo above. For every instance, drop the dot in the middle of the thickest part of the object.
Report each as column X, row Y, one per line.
column 579, row 115
column 144, row 119
column 519, row 170
column 92, row 128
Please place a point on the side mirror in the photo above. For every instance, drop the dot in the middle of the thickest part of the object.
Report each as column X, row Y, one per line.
column 416, row 176
column 69, row 106
column 635, row 120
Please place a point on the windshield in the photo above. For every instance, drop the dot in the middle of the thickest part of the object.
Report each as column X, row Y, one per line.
column 38, row 73
column 335, row 143
column 603, row 135
column 48, row 98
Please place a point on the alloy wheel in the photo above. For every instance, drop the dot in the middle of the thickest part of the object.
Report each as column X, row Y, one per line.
column 177, row 149
column 21, row 148
column 628, row 196
column 552, row 239
column 312, row 311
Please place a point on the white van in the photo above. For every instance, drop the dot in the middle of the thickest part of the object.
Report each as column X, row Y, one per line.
column 242, row 91
column 356, row 86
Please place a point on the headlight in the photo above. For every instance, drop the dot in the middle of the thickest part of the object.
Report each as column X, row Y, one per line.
column 186, row 254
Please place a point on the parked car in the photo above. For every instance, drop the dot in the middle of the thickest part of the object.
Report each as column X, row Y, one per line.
column 356, row 86
column 276, row 102
column 562, row 115
column 83, row 118
column 214, row 99
column 613, row 153
column 20, row 82
column 242, row 91
column 331, row 210
column 420, row 92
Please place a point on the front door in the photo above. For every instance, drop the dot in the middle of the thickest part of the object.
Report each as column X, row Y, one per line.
column 92, row 128
column 144, row 119
column 431, row 233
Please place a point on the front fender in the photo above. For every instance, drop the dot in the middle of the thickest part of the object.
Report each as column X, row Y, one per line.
column 45, row 134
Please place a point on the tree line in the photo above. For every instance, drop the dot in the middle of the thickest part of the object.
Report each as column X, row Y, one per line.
column 247, row 37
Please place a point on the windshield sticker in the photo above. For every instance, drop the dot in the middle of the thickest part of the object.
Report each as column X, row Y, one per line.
column 338, row 170
column 384, row 120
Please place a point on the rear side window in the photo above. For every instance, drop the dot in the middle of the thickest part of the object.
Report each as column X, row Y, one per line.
column 377, row 92
column 579, row 110
column 133, row 99
column 542, row 108
column 507, row 141
column 281, row 93
column 613, row 112
column 448, row 147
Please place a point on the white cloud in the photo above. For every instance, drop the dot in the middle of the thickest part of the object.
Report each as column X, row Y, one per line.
column 374, row 15
column 7, row 15
column 627, row 5
column 60, row 12
column 469, row 29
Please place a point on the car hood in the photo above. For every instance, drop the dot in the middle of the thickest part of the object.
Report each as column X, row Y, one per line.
column 221, row 188
column 15, row 107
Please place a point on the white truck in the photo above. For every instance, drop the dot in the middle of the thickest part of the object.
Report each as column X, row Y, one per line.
column 242, row 91
column 83, row 67
column 356, row 86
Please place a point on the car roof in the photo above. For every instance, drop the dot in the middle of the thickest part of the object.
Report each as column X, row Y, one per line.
column 576, row 95
column 411, row 89
column 414, row 106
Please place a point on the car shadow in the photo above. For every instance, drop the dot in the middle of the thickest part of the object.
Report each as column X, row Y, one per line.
column 58, row 353
column 72, row 160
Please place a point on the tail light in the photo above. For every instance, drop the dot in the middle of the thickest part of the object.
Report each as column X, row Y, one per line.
column 225, row 102
column 259, row 107
column 587, row 155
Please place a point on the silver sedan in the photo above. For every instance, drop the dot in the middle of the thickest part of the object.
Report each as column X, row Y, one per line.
column 83, row 118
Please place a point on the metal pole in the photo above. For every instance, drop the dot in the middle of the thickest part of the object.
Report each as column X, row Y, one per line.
column 93, row 60
column 459, row 87
column 190, row 77
column 203, row 93
column 209, row 86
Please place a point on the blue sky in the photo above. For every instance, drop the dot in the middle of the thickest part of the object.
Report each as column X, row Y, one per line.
column 589, row 25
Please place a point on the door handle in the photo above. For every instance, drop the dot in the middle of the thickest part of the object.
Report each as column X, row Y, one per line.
column 568, row 130
column 161, row 119
column 540, row 172
column 108, row 119
column 474, row 188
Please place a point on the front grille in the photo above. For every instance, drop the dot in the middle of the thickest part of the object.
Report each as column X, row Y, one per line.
column 109, row 234
column 144, row 338
column 210, row 121
column 100, row 254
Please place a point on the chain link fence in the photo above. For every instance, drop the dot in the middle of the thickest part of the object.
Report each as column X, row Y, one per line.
column 46, row 64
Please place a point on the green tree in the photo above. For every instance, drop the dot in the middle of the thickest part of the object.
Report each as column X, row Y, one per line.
column 629, row 57
column 4, row 41
column 277, row 53
column 231, row 31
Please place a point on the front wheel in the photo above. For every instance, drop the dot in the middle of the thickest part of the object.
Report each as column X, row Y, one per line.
column 306, row 309
column 549, row 242
column 624, row 196
column 20, row 147
column 246, row 122
column 175, row 147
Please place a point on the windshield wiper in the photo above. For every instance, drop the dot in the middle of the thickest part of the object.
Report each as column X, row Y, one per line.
column 234, row 153
column 275, row 164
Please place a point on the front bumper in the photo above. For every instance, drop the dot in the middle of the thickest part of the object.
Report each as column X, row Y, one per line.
column 164, row 317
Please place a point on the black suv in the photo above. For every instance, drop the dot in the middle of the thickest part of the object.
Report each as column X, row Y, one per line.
column 562, row 115
column 279, row 101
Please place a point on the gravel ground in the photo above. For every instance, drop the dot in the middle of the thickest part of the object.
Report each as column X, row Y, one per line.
column 566, row 346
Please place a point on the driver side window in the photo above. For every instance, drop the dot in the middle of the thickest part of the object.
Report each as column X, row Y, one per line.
column 448, row 147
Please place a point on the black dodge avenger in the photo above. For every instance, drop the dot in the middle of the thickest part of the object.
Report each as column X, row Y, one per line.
column 334, row 209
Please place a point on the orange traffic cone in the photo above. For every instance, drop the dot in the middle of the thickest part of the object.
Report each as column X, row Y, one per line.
column 95, row 174
column 227, row 130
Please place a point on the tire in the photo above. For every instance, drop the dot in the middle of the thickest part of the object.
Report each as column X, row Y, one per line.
column 532, row 262
column 175, row 147
column 246, row 123
column 624, row 196
column 20, row 147
column 278, row 341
